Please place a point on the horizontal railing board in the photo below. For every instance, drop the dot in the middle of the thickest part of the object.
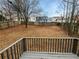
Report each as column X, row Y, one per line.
column 53, row 37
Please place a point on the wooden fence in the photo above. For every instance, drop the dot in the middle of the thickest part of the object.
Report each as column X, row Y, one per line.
column 4, row 25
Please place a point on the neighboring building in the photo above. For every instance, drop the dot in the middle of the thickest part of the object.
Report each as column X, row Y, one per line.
column 32, row 19
column 42, row 19
column 57, row 19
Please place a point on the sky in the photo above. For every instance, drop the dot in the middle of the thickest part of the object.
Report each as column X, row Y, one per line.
column 49, row 7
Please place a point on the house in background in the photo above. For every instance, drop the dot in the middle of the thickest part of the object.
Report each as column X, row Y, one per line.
column 42, row 19
column 57, row 19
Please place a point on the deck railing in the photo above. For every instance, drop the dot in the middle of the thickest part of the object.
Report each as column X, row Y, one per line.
column 14, row 51
column 41, row 44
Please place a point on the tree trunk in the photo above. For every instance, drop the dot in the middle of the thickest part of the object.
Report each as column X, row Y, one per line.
column 26, row 21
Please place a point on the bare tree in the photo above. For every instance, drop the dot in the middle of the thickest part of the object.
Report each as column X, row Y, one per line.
column 7, row 10
column 26, row 8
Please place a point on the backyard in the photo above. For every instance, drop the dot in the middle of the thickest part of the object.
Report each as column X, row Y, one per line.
column 10, row 35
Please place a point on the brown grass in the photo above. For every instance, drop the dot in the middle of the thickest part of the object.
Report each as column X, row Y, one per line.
column 8, row 36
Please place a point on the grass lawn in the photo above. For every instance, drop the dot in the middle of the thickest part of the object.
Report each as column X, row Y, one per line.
column 8, row 36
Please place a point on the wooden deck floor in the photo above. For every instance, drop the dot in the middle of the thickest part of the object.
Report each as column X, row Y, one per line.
column 43, row 55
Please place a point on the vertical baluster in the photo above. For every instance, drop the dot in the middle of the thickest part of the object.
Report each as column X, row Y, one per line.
column 42, row 44
column 65, row 45
column 36, row 44
column 15, row 51
column 22, row 45
column 56, row 43
column 2, row 55
column 39, row 44
column 11, row 50
column 58, row 46
column 52, row 45
column 33, row 43
column 62, row 46
column 68, row 45
column 72, row 40
column 30, row 44
column 59, row 40
column 47, row 44
column 20, row 48
column 7, row 54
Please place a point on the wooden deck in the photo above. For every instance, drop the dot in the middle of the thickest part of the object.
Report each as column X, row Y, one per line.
column 44, row 55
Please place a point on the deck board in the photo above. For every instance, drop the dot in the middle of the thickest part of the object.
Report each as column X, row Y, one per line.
column 37, row 55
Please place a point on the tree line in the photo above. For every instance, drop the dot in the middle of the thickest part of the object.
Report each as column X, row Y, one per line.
column 70, row 13
column 21, row 8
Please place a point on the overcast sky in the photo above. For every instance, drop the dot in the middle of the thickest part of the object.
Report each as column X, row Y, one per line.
column 49, row 7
